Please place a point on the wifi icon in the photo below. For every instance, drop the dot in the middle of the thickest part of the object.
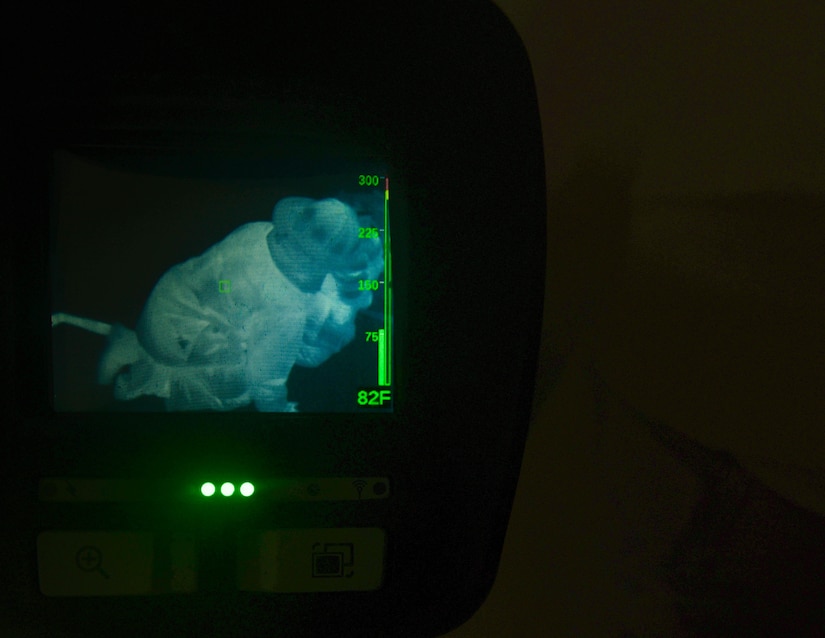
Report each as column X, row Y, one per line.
column 359, row 485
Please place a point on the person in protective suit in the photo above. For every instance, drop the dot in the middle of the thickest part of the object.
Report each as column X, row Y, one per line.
column 224, row 329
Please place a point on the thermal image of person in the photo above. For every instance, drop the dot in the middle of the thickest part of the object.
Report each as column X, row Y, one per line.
column 224, row 329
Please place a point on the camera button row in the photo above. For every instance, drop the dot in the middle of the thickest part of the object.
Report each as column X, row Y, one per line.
column 137, row 563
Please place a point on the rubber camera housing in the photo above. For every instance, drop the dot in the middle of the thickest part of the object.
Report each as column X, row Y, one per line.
column 107, row 530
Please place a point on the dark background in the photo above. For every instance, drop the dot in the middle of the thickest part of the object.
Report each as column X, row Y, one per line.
column 685, row 157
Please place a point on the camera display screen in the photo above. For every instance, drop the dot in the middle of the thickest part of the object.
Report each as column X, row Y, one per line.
column 211, row 284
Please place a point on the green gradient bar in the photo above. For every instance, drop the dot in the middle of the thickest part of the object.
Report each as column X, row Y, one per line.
column 382, row 358
column 385, row 378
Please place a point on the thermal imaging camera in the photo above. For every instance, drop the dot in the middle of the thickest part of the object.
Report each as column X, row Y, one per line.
column 275, row 295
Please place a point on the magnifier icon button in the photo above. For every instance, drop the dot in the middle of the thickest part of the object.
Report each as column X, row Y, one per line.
column 90, row 559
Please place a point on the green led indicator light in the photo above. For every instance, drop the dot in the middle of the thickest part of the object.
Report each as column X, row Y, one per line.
column 224, row 286
column 228, row 489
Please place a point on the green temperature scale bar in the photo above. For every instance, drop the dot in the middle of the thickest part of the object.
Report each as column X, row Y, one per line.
column 385, row 334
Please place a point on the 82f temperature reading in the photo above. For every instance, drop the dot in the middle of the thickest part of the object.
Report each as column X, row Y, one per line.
column 375, row 398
